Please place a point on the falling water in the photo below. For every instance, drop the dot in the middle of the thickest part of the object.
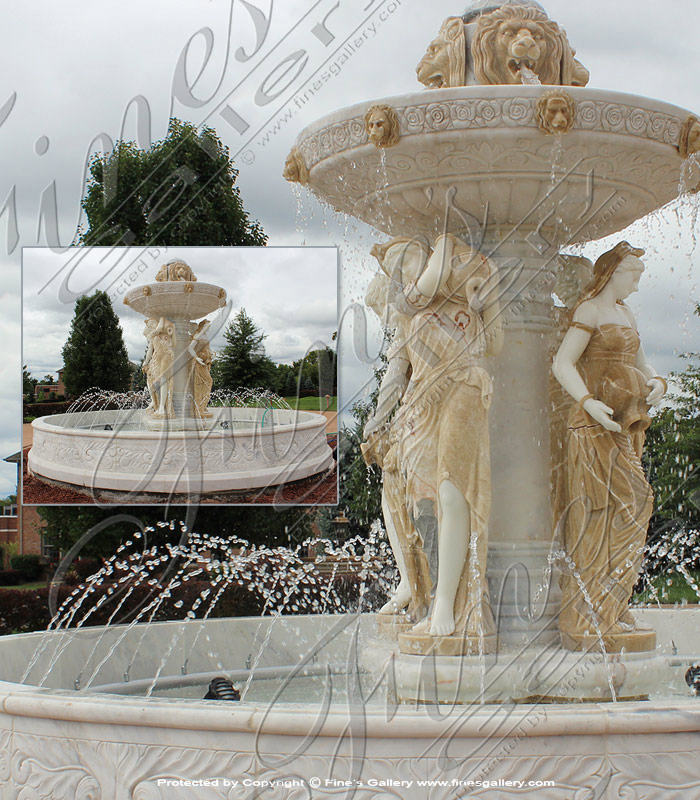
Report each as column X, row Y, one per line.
column 528, row 77
column 283, row 580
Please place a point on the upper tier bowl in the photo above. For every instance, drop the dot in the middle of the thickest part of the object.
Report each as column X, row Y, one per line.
column 476, row 155
column 192, row 300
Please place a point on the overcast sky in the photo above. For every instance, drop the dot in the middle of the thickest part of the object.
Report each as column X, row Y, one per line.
column 76, row 66
column 289, row 292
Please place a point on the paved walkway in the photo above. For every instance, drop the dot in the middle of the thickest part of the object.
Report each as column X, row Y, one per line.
column 331, row 421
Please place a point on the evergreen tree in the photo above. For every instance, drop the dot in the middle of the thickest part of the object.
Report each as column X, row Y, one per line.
column 28, row 383
column 179, row 192
column 95, row 353
column 242, row 363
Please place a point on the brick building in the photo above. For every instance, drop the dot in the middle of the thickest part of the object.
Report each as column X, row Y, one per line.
column 21, row 525
column 43, row 390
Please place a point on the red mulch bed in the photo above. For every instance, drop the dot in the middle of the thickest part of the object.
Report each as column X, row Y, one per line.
column 317, row 490
column 37, row 492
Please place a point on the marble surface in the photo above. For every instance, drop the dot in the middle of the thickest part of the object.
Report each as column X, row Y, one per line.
column 60, row 745
column 207, row 459
column 619, row 162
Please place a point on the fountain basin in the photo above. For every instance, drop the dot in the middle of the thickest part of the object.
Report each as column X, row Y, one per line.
column 91, row 744
column 258, row 447
column 192, row 300
column 476, row 157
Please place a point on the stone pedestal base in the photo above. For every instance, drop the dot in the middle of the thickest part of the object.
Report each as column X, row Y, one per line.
column 389, row 626
column 550, row 675
column 425, row 645
column 637, row 641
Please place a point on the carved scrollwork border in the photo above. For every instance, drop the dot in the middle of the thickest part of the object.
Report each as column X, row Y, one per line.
column 510, row 112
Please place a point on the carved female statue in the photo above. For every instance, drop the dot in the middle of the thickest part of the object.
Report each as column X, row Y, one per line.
column 574, row 275
column 201, row 357
column 148, row 332
column 382, row 437
column 444, row 450
column 601, row 364
column 159, row 369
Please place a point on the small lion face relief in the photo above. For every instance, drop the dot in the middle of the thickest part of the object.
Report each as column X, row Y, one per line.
column 694, row 139
column 382, row 126
column 689, row 140
column 295, row 169
column 555, row 112
column 377, row 128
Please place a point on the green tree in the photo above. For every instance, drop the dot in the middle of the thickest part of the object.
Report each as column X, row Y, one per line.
column 67, row 526
column 138, row 377
column 360, row 486
column 317, row 372
column 242, row 363
column 179, row 192
column 286, row 381
column 672, row 452
column 95, row 353
column 28, row 383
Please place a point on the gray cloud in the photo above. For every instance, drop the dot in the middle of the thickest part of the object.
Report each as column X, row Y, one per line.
column 286, row 291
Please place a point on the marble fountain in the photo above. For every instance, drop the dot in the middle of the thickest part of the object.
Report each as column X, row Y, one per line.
column 179, row 443
column 513, row 494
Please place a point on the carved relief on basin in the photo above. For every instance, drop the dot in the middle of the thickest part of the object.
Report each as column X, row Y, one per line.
column 480, row 150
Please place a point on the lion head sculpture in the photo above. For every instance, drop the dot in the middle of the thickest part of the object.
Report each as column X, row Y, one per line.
column 445, row 61
column 382, row 126
column 175, row 270
column 516, row 37
column 295, row 169
column 689, row 139
column 556, row 111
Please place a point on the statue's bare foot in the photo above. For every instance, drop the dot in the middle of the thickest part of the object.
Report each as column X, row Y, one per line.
column 423, row 626
column 398, row 601
column 442, row 621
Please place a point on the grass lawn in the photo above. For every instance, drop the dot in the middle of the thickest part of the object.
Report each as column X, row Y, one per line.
column 27, row 586
column 671, row 589
column 312, row 403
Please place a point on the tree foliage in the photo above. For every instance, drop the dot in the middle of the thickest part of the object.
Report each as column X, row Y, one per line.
column 673, row 452
column 242, row 363
column 67, row 526
column 315, row 374
column 179, row 192
column 95, row 353
column 28, row 383
column 360, row 486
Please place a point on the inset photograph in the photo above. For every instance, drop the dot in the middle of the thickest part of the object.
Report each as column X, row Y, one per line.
column 180, row 375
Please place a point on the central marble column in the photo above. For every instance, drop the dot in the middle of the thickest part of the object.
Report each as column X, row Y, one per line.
column 524, row 597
